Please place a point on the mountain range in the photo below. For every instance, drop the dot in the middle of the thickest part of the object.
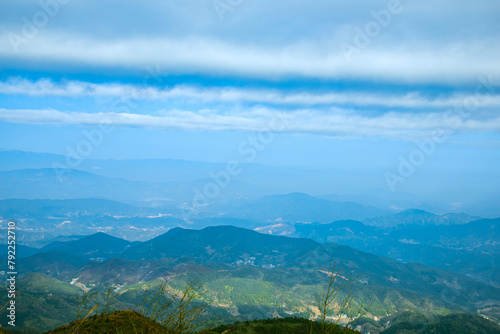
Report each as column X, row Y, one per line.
column 246, row 272
column 169, row 182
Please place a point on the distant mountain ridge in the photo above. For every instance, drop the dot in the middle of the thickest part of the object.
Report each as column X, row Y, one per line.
column 53, row 263
column 238, row 247
column 300, row 207
column 419, row 217
column 29, row 208
column 471, row 249
column 57, row 184
column 95, row 246
column 253, row 262
column 179, row 177
column 223, row 244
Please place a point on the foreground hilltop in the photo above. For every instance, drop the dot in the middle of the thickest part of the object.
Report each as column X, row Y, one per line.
column 126, row 321
column 132, row 322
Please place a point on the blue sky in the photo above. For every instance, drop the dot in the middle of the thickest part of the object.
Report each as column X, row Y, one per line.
column 343, row 86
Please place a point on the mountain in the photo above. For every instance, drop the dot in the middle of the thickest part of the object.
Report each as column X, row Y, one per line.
column 346, row 232
column 418, row 217
column 31, row 208
column 257, row 180
column 94, row 247
column 460, row 323
column 122, row 321
column 117, row 322
column 162, row 181
column 236, row 246
column 252, row 275
column 40, row 283
column 299, row 207
column 475, row 234
column 152, row 170
column 224, row 221
column 54, row 183
column 40, row 221
column 281, row 326
column 222, row 244
column 54, row 263
column 43, row 303
column 471, row 249
column 118, row 271
column 16, row 159
column 22, row 250
column 58, row 241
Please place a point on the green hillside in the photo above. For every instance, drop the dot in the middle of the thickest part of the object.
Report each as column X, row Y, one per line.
column 43, row 303
column 280, row 326
column 118, row 322
column 461, row 323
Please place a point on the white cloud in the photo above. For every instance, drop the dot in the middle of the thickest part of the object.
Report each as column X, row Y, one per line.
column 415, row 63
column 334, row 122
column 76, row 89
column 426, row 42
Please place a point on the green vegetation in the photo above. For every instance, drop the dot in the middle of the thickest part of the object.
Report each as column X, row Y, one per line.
column 40, row 283
column 332, row 307
column 124, row 321
column 461, row 323
column 246, row 276
column 161, row 311
column 282, row 326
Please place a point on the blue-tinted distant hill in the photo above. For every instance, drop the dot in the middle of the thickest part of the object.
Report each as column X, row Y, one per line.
column 95, row 246
column 30, row 208
column 15, row 159
column 299, row 207
column 21, row 250
column 347, row 232
column 40, row 221
column 236, row 246
column 420, row 217
column 53, row 263
column 247, row 254
column 159, row 181
column 220, row 244
column 54, row 183
column 253, row 181
column 472, row 249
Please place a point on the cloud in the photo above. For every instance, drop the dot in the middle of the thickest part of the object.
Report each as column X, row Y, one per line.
column 74, row 89
column 333, row 122
column 407, row 64
column 448, row 42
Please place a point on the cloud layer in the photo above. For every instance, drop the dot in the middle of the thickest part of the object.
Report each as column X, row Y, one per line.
column 333, row 122
column 450, row 42
column 485, row 94
column 406, row 64
column 432, row 59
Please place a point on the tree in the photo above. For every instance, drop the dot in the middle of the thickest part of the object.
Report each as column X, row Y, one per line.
column 333, row 306
column 181, row 312
column 178, row 312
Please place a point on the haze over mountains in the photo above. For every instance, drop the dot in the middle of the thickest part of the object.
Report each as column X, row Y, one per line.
column 236, row 257
column 174, row 183
column 90, row 227
column 237, row 151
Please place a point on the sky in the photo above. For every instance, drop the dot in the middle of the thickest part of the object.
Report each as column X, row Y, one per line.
column 406, row 92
